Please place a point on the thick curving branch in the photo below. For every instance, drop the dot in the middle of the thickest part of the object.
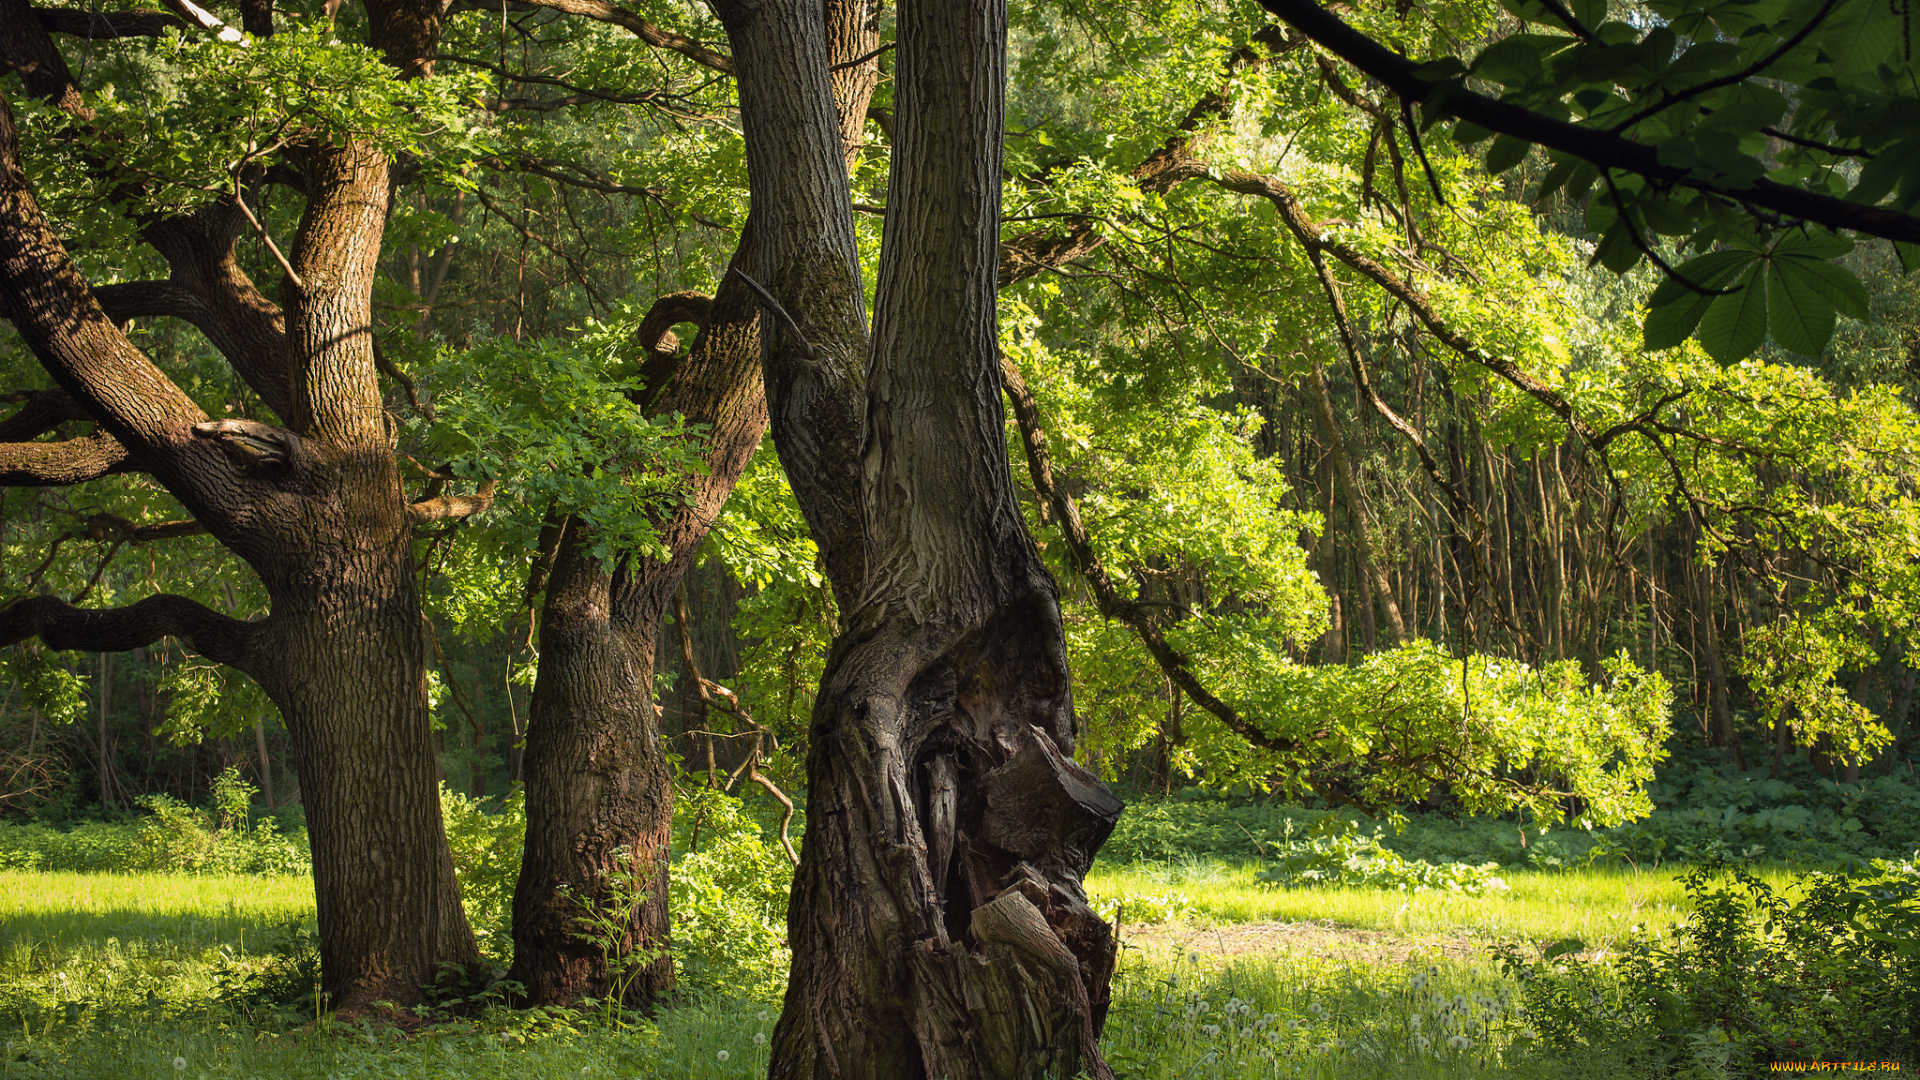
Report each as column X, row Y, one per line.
column 106, row 25
column 60, row 625
column 40, row 412
column 1600, row 148
column 57, row 464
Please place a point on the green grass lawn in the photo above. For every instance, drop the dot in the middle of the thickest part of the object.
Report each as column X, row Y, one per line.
column 117, row 976
column 1596, row 905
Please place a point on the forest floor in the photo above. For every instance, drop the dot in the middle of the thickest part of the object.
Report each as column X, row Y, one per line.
column 135, row 975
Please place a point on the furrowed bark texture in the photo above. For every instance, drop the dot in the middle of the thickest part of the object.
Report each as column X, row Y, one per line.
column 316, row 508
column 599, row 789
column 938, row 920
column 598, row 784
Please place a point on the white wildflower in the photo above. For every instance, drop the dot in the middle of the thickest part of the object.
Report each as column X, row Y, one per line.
column 179, row 1064
column 722, row 1055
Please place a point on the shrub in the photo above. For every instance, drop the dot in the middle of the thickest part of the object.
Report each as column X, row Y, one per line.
column 1752, row 976
column 172, row 837
column 487, row 845
column 1336, row 852
column 728, row 894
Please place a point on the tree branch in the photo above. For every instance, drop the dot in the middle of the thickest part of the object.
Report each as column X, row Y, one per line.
column 1105, row 594
column 42, row 411
column 602, row 11
column 106, row 25
column 57, row 464
column 60, row 625
column 443, row 507
column 1605, row 150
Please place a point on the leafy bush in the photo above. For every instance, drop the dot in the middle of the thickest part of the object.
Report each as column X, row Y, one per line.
column 728, row 894
column 1832, row 973
column 487, row 846
column 1336, row 852
column 1138, row 909
column 172, row 837
column 1196, row 824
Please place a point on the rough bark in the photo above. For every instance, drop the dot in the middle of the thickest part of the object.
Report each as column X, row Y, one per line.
column 599, row 790
column 938, row 922
column 316, row 508
column 597, row 779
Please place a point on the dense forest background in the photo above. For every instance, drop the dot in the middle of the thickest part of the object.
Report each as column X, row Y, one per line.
column 1280, row 498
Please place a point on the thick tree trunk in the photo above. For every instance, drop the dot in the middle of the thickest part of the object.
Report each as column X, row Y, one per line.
column 600, row 631
column 938, row 922
column 351, row 684
column 599, row 800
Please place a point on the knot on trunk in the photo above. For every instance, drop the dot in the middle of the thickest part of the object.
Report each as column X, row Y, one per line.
column 1043, row 807
column 256, row 449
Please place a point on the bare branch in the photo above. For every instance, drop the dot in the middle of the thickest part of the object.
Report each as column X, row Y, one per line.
column 60, row 625
column 106, row 25
column 56, row 464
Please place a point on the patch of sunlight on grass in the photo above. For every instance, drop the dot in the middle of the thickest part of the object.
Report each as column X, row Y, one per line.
column 1597, row 905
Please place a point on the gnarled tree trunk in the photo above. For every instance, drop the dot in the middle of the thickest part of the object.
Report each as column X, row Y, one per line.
column 938, row 921
column 315, row 507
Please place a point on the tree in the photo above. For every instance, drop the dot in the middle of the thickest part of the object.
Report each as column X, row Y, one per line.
column 599, row 791
column 315, row 507
column 1750, row 135
column 938, row 922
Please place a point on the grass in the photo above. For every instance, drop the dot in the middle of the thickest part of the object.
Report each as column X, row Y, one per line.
column 117, row 975
column 1596, row 905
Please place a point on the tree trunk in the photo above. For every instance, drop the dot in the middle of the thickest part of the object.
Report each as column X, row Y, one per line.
column 938, row 922
column 1373, row 581
column 316, row 508
column 599, row 800
column 597, row 719
column 352, row 688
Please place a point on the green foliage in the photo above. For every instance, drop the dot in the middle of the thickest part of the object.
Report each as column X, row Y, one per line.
column 1791, row 664
column 1335, row 852
column 728, row 894
column 172, row 838
column 1399, row 723
column 195, row 117
column 562, row 433
column 487, row 844
column 1755, row 975
column 1812, row 94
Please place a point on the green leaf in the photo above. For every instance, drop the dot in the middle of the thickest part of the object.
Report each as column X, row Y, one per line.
column 1671, row 324
column 1735, row 324
column 1618, row 251
column 1836, row 283
column 1798, row 313
column 1505, row 153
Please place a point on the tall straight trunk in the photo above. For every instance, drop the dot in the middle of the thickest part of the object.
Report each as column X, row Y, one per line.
column 1721, row 712
column 938, row 922
column 598, row 786
column 1374, row 586
column 266, row 764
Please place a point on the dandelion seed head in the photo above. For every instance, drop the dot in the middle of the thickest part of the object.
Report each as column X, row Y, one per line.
column 179, row 1064
column 722, row 1055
